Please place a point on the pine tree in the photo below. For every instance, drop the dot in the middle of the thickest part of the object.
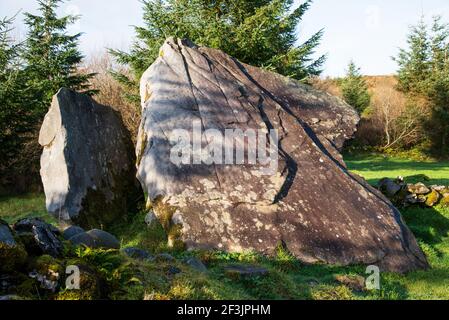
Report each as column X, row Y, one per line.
column 14, row 118
column 355, row 90
column 52, row 55
column 424, row 77
column 415, row 62
column 258, row 32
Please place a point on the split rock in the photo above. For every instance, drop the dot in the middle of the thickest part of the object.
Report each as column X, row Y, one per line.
column 305, row 197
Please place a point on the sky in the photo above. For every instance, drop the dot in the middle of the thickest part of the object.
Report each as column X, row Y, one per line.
column 366, row 31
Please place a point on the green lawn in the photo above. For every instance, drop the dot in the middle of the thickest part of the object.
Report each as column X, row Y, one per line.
column 375, row 167
column 288, row 279
column 23, row 206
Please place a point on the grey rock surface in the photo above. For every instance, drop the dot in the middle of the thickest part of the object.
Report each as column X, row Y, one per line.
column 72, row 231
column 245, row 271
column 83, row 239
column 389, row 187
column 150, row 218
column 44, row 235
column 104, row 239
column 87, row 164
column 6, row 236
column 96, row 239
column 139, row 254
column 310, row 202
column 196, row 264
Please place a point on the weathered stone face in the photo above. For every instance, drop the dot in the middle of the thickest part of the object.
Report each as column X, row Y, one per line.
column 310, row 202
column 87, row 165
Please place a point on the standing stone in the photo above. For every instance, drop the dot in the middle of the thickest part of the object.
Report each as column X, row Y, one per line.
column 308, row 201
column 87, row 166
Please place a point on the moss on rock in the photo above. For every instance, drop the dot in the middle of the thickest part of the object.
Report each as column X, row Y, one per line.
column 433, row 198
column 12, row 257
column 91, row 287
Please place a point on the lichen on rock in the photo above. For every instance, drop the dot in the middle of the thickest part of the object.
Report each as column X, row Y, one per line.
column 309, row 201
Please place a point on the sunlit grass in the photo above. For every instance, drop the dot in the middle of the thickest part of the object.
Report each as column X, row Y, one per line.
column 287, row 279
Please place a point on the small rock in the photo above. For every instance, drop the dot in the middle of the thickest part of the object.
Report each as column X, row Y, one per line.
column 419, row 189
column 92, row 286
column 173, row 270
column 437, row 188
column 138, row 254
column 433, row 198
column 356, row 283
column 165, row 257
column 104, row 239
column 196, row 264
column 45, row 283
column 96, row 239
column 445, row 201
column 150, row 218
column 6, row 236
column 72, row 231
column 44, row 235
column 83, row 239
column 444, row 192
column 389, row 187
column 242, row 271
column 411, row 199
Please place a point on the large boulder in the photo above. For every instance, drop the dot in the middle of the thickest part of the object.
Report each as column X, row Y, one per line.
column 303, row 198
column 88, row 164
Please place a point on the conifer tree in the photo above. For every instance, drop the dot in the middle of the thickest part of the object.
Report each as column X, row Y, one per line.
column 262, row 33
column 354, row 89
column 415, row 61
column 424, row 75
column 14, row 118
column 52, row 55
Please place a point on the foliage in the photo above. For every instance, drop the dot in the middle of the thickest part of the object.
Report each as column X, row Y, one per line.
column 31, row 72
column 15, row 119
column 424, row 76
column 258, row 32
column 355, row 89
column 52, row 55
column 288, row 279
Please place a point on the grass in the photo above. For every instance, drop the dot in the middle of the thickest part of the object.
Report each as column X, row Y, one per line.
column 375, row 167
column 287, row 279
column 24, row 206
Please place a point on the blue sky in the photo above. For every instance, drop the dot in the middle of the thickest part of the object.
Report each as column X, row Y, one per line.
column 368, row 31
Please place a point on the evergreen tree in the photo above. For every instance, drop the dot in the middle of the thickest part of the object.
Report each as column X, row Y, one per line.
column 14, row 118
column 52, row 55
column 354, row 89
column 424, row 77
column 415, row 62
column 258, row 32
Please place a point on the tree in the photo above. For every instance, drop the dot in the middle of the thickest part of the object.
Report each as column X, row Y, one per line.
column 424, row 77
column 415, row 62
column 14, row 118
column 51, row 55
column 354, row 89
column 258, row 32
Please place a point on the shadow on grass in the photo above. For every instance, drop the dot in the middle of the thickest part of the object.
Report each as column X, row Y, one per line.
column 381, row 167
column 427, row 224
